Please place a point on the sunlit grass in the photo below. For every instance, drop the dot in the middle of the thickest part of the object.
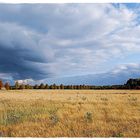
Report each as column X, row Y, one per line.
column 70, row 113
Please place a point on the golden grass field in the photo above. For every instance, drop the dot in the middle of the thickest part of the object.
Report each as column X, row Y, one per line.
column 70, row 113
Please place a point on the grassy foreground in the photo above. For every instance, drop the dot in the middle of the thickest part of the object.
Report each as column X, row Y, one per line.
column 70, row 113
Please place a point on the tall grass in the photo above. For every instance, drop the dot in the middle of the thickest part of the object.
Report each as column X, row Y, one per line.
column 60, row 113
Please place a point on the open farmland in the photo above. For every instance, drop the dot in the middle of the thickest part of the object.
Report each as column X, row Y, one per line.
column 70, row 113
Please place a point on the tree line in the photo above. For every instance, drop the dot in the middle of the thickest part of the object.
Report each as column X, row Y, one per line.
column 61, row 86
column 133, row 83
column 6, row 85
column 130, row 84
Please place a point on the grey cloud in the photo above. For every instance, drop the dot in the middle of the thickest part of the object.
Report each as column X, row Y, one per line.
column 118, row 75
column 20, row 55
column 42, row 40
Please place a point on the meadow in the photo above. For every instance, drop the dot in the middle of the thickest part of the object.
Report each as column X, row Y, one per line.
column 70, row 113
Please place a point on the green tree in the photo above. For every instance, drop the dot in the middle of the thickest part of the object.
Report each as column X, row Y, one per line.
column 36, row 86
column 51, row 87
column 41, row 86
column 54, row 86
column 61, row 86
column 16, row 85
column 27, row 86
column 46, row 86
column 22, row 86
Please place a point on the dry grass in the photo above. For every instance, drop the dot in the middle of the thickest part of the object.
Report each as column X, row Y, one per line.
column 70, row 113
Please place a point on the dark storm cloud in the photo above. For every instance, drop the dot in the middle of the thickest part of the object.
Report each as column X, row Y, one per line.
column 19, row 54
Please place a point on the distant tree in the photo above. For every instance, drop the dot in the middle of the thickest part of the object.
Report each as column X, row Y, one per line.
column 68, row 87
column 132, row 83
column 22, row 86
column 41, row 86
column 27, row 86
column 83, row 87
column 61, row 86
column 65, row 86
column 50, row 87
column 7, row 85
column 71, row 86
column 46, row 86
column 31, row 87
column 137, row 87
column 54, row 86
column 1, row 84
column 16, row 85
column 58, row 87
column 36, row 86
column 77, row 87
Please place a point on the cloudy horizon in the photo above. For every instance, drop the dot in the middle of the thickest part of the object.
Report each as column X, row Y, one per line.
column 43, row 41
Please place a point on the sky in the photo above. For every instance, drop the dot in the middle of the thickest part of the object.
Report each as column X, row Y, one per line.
column 41, row 41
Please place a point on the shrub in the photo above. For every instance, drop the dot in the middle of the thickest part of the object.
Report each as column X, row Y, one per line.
column 119, row 134
column 54, row 119
column 88, row 117
column 84, row 98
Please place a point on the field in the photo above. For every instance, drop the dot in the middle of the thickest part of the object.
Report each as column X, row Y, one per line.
column 70, row 113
